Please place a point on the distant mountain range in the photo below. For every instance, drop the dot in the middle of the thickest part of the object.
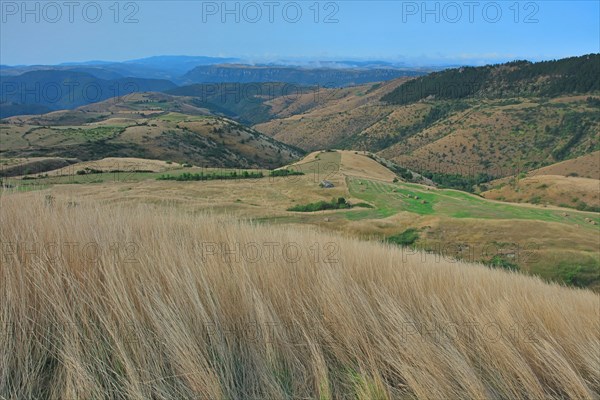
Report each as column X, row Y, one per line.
column 328, row 77
column 38, row 89
column 175, row 67
column 47, row 90
column 159, row 67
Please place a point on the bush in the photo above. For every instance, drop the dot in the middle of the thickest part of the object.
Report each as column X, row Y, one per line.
column 535, row 200
column 334, row 204
column 405, row 238
column 319, row 206
column 593, row 101
column 88, row 170
column 500, row 262
column 187, row 176
column 285, row 172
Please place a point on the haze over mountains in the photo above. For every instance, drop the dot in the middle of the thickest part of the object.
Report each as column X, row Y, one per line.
column 40, row 88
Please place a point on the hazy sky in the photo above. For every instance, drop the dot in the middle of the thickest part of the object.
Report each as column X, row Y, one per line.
column 423, row 33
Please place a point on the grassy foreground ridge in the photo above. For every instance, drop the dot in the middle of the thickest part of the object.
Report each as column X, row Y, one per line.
column 124, row 301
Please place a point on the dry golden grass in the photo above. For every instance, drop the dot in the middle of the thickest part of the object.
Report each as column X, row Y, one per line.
column 117, row 163
column 550, row 189
column 587, row 166
column 104, row 301
column 351, row 163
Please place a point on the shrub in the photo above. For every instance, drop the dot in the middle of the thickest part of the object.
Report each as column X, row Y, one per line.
column 500, row 262
column 535, row 200
column 187, row 176
column 88, row 170
column 405, row 238
column 334, row 204
column 285, row 172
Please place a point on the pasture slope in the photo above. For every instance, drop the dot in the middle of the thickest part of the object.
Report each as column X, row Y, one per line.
column 555, row 243
column 573, row 183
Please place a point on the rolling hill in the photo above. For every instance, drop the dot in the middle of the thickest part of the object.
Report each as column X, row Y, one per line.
column 574, row 75
column 145, row 125
column 39, row 89
column 573, row 183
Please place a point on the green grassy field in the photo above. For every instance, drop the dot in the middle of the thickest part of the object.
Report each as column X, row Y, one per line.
column 178, row 117
column 563, row 255
column 391, row 198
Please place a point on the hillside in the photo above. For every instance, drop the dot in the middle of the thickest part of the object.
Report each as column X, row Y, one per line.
column 587, row 166
column 573, row 183
column 572, row 192
column 574, row 75
column 355, row 320
column 144, row 125
column 490, row 129
column 327, row 118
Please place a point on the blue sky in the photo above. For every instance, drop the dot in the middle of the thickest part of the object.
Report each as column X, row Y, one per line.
column 418, row 33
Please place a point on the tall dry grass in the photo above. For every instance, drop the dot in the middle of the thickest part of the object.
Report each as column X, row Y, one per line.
column 140, row 303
